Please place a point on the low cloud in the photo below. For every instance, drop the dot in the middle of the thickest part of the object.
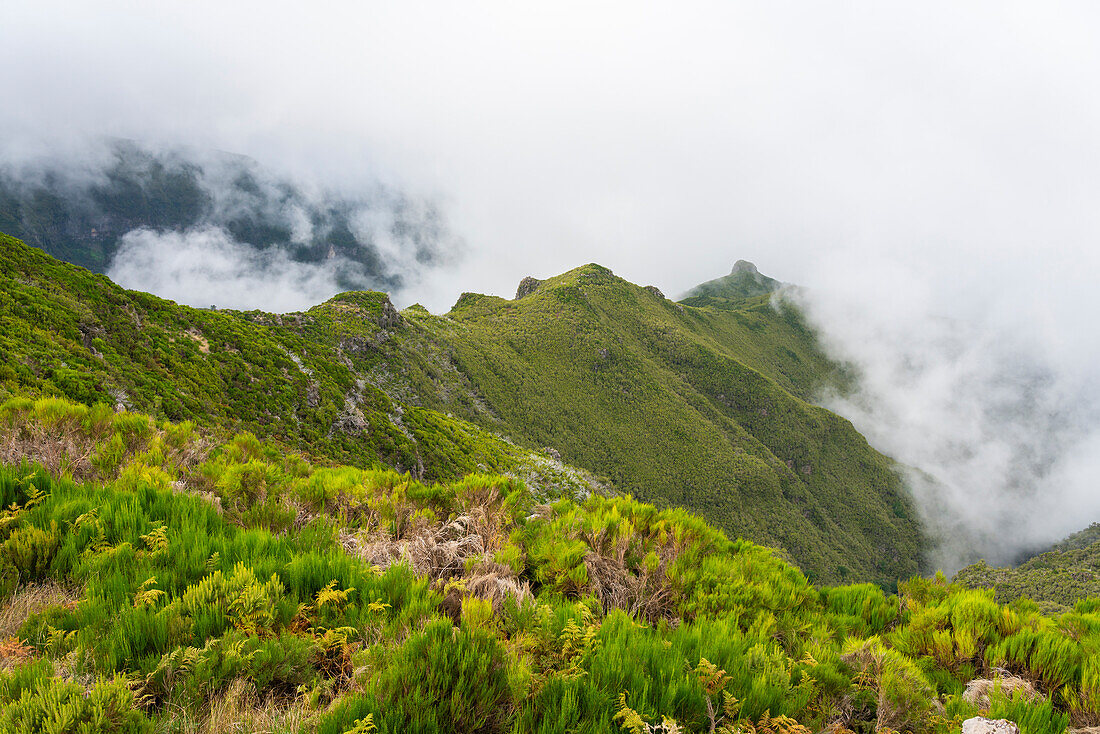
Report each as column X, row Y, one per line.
column 996, row 419
column 107, row 194
column 207, row 267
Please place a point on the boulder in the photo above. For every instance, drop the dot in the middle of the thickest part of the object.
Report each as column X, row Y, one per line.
column 981, row 725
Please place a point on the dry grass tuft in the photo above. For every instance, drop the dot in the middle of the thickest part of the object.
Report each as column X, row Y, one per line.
column 65, row 447
column 30, row 599
column 239, row 710
column 496, row 583
column 447, row 552
column 978, row 690
column 646, row 595
column 62, row 449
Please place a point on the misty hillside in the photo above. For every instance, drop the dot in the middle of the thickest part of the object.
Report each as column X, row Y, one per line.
column 743, row 282
column 1057, row 577
column 354, row 519
column 701, row 408
column 91, row 212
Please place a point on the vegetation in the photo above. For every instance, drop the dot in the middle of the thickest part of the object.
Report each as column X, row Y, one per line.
column 67, row 332
column 688, row 407
column 698, row 407
column 1056, row 579
column 197, row 585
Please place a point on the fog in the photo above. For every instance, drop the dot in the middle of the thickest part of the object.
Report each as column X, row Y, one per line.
column 928, row 171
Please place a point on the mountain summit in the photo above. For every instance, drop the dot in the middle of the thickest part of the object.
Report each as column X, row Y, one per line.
column 743, row 282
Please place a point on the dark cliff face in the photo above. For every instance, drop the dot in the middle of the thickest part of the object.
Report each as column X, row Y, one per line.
column 79, row 212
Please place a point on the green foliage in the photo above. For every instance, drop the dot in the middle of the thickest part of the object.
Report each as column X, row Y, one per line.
column 698, row 632
column 1056, row 578
column 33, row 700
column 66, row 332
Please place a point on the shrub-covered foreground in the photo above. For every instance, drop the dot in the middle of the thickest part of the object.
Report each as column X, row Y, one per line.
column 234, row 587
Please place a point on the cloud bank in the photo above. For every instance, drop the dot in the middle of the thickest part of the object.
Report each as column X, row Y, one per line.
column 995, row 414
column 84, row 205
column 207, row 267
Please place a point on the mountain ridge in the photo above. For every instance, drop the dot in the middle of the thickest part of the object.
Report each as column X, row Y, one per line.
column 679, row 405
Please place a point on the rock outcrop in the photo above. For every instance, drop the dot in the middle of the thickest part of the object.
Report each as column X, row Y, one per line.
column 527, row 286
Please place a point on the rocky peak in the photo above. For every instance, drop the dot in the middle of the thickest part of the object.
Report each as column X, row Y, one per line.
column 527, row 286
column 744, row 266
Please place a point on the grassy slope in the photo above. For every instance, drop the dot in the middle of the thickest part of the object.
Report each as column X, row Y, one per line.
column 698, row 407
column 66, row 331
column 187, row 585
column 690, row 407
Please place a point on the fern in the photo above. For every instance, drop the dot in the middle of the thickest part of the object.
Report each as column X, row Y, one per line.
column 156, row 540
column 330, row 595
column 631, row 719
column 364, row 725
column 147, row 596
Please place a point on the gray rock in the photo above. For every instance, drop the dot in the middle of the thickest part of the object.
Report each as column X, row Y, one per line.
column 655, row 291
column 390, row 318
column 981, row 725
column 527, row 286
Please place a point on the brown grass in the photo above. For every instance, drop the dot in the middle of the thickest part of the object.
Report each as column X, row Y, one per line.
column 978, row 690
column 447, row 552
column 30, row 599
column 239, row 710
column 64, row 449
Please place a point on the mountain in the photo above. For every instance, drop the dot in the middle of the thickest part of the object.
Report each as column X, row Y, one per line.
column 83, row 211
column 345, row 526
column 698, row 407
column 1056, row 578
column 743, row 282
column 701, row 408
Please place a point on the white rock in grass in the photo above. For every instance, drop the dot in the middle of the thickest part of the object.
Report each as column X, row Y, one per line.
column 980, row 725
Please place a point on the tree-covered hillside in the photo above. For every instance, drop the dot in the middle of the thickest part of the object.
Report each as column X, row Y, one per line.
column 154, row 578
column 1058, row 577
column 699, row 407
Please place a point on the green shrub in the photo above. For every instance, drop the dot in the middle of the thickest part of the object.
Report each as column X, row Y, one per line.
column 32, row 701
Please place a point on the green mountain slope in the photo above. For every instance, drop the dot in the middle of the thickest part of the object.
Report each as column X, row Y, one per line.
column 682, row 406
column 1057, row 578
column 66, row 331
column 700, row 407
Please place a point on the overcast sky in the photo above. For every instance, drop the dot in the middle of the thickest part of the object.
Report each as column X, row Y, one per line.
column 908, row 160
